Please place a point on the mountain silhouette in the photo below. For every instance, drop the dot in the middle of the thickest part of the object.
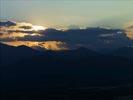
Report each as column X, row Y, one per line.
column 7, row 23
column 74, row 74
column 11, row 54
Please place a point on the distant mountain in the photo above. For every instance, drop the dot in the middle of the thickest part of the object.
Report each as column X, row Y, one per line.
column 73, row 73
column 10, row 54
column 7, row 23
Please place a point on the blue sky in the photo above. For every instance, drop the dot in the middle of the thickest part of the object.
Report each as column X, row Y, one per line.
column 62, row 13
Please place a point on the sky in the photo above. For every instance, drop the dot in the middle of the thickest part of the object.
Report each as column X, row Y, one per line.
column 29, row 22
column 65, row 13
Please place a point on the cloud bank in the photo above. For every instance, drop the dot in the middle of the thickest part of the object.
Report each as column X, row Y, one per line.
column 129, row 29
column 92, row 37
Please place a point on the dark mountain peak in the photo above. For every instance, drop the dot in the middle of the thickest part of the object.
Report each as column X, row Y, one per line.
column 23, row 47
column 5, row 46
column 13, row 49
column 7, row 23
column 27, row 50
column 11, row 54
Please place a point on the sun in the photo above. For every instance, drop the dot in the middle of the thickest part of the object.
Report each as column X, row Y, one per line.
column 37, row 28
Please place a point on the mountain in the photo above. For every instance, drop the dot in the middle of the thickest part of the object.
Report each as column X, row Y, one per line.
column 7, row 23
column 74, row 74
column 11, row 54
column 75, row 54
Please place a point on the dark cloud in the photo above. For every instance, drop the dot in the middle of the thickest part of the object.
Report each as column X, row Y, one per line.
column 7, row 39
column 25, row 27
column 37, row 38
column 23, row 31
column 91, row 37
column 94, row 37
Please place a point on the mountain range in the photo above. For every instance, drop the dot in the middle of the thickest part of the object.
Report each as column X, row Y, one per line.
column 11, row 54
column 71, row 74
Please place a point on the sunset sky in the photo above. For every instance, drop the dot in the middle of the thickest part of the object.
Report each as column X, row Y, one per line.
column 25, row 22
column 65, row 13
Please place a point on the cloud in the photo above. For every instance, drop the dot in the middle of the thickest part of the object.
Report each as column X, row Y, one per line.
column 129, row 29
column 9, row 26
column 46, row 45
column 25, row 27
column 15, row 36
column 93, row 37
column 11, row 31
